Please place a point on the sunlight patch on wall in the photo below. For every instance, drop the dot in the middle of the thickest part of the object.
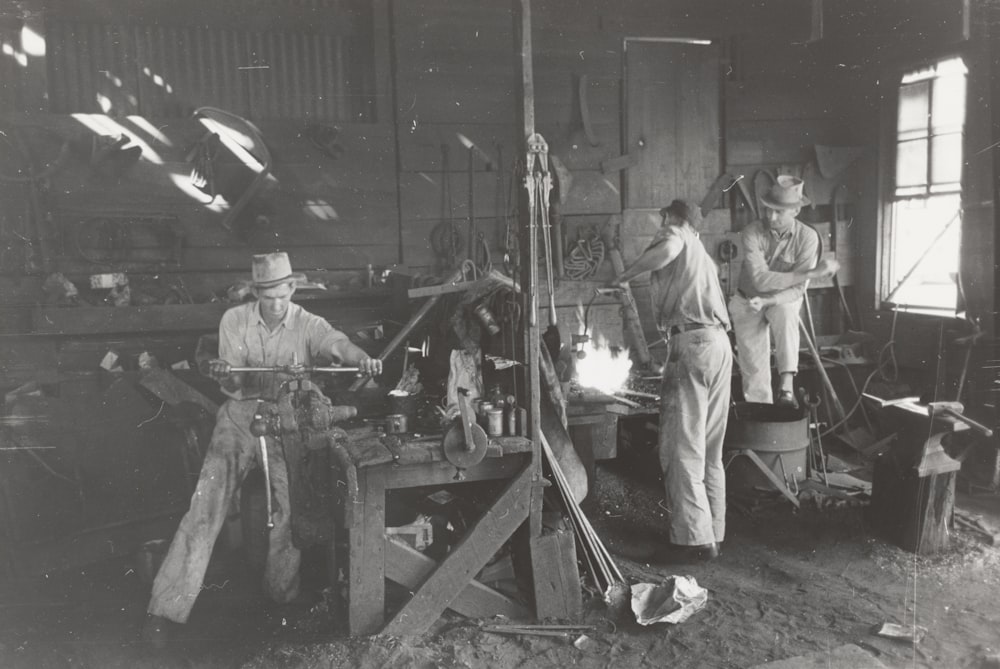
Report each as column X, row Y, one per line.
column 103, row 125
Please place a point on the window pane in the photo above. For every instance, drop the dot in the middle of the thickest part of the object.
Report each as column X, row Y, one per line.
column 913, row 107
column 948, row 109
column 911, row 163
column 946, row 159
column 925, row 261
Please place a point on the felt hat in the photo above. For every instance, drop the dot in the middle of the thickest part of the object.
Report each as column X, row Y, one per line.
column 684, row 210
column 785, row 193
column 273, row 269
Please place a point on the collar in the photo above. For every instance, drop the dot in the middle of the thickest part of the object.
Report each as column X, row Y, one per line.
column 286, row 322
column 783, row 235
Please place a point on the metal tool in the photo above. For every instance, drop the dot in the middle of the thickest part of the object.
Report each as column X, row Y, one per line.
column 296, row 411
column 258, row 428
column 465, row 445
column 298, row 369
column 954, row 410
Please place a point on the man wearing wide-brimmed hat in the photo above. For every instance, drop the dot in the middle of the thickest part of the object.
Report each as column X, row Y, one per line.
column 270, row 331
column 779, row 258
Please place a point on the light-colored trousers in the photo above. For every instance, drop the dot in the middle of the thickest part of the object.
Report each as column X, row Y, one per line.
column 694, row 410
column 754, row 331
column 231, row 453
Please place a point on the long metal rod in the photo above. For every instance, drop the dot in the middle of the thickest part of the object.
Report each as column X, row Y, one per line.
column 292, row 369
column 262, row 440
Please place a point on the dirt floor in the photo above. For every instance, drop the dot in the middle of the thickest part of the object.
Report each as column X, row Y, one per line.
column 787, row 584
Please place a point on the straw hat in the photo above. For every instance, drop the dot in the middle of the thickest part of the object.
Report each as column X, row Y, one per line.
column 785, row 193
column 273, row 269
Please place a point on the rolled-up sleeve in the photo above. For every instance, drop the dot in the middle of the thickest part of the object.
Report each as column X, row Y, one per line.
column 326, row 342
column 232, row 348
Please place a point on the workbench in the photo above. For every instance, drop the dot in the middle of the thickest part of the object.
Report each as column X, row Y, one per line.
column 367, row 465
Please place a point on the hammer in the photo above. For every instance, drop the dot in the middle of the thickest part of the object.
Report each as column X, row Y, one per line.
column 954, row 410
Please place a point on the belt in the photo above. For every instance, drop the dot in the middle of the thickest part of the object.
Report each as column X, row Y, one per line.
column 689, row 327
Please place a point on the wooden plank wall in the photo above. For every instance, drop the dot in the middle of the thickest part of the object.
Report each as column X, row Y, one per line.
column 455, row 74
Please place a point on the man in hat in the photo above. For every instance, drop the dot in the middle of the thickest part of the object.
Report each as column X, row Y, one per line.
column 779, row 259
column 267, row 332
column 694, row 407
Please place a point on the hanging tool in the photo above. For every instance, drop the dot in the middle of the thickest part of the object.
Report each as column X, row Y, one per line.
column 445, row 237
column 839, row 215
column 727, row 252
column 543, row 188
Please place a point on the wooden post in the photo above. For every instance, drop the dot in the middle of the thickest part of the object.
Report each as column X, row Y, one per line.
column 521, row 11
column 366, row 534
column 557, row 579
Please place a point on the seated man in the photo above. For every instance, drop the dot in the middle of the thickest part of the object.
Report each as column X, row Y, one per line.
column 270, row 331
column 779, row 259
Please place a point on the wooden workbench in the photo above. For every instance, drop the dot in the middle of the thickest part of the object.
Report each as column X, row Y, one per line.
column 367, row 466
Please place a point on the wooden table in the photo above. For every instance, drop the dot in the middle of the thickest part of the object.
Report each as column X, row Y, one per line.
column 368, row 465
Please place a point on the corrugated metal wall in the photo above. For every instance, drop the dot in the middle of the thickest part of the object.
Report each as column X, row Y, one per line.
column 12, row 69
column 163, row 71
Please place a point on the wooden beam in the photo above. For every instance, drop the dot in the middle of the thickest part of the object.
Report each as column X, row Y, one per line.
column 475, row 549
column 409, row 567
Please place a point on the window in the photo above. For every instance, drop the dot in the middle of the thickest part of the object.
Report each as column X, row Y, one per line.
column 920, row 265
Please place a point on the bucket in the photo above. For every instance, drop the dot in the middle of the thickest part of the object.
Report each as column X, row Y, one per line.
column 779, row 436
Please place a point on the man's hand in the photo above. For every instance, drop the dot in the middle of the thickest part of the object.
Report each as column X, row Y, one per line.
column 370, row 366
column 219, row 370
column 757, row 303
column 827, row 267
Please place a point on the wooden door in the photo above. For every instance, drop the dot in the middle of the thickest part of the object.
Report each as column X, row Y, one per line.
column 672, row 121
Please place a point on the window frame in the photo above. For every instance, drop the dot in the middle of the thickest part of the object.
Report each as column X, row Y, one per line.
column 892, row 83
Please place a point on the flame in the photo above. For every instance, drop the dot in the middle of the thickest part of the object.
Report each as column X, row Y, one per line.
column 602, row 367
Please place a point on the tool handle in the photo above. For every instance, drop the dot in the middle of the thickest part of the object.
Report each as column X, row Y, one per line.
column 979, row 427
column 466, row 418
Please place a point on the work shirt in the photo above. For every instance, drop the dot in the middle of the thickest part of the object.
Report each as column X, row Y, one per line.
column 687, row 290
column 769, row 258
column 246, row 341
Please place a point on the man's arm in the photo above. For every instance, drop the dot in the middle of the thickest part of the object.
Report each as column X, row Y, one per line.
column 799, row 275
column 334, row 343
column 231, row 354
column 657, row 256
column 766, row 280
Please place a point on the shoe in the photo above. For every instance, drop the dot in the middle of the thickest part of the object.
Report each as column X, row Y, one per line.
column 676, row 554
column 786, row 398
column 156, row 631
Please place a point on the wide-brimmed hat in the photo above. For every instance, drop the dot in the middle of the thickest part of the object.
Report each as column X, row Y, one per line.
column 273, row 269
column 684, row 210
column 785, row 193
